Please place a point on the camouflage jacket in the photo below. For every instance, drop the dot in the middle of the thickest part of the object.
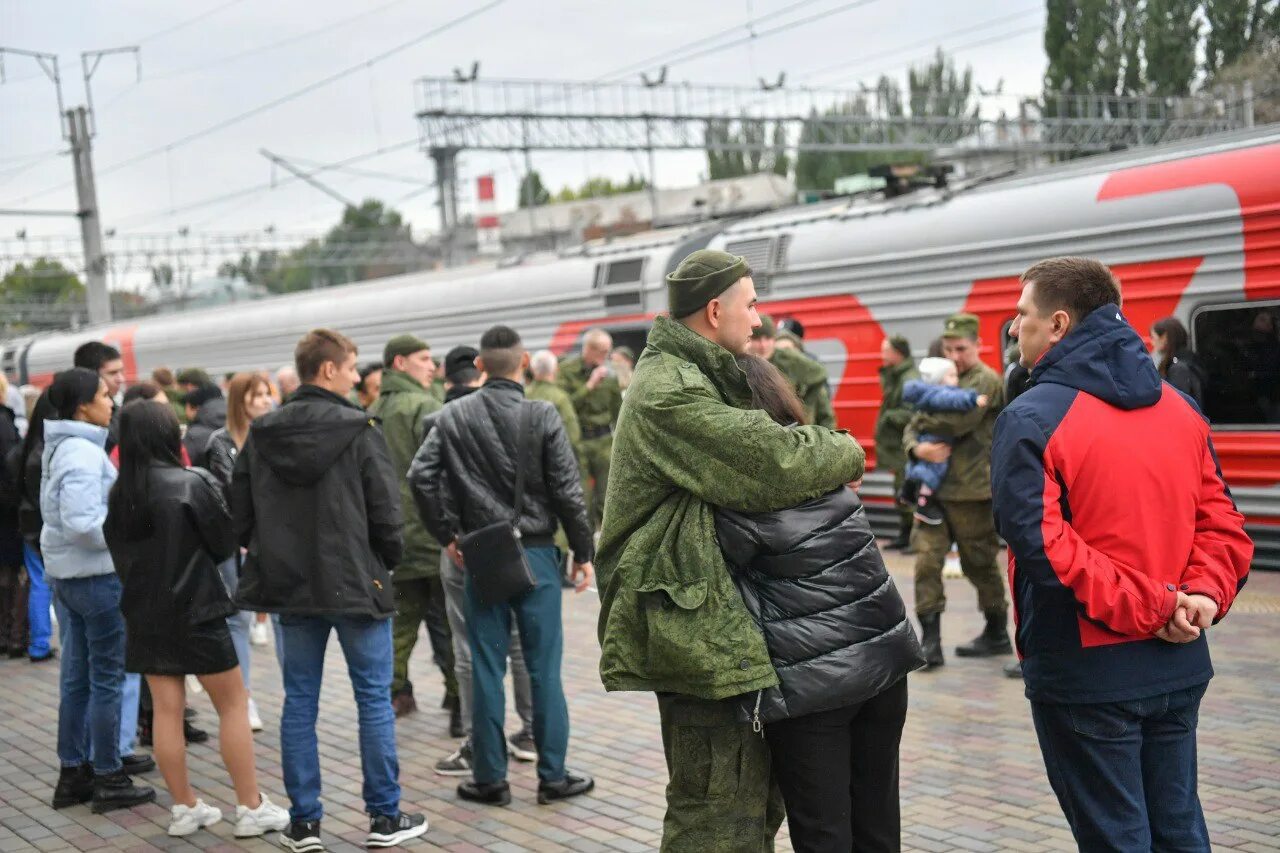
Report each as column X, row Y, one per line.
column 969, row 477
column 671, row 618
column 811, row 384
column 596, row 407
column 894, row 415
column 401, row 406
column 540, row 389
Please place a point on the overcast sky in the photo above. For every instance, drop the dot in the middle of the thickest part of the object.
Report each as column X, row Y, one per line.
column 204, row 61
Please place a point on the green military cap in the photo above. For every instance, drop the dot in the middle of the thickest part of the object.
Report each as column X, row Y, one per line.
column 961, row 326
column 766, row 329
column 701, row 277
column 402, row 345
column 901, row 344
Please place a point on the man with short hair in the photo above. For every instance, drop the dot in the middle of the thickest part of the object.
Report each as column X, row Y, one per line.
column 463, row 378
column 590, row 383
column 965, row 499
column 807, row 376
column 206, row 411
column 402, row 405
column 469, row 471
column 897, row 369
column 1124, row 548
column 543, row 367
column 671, row 620
column 315, row 501
column 287, row 381
column 104, row 360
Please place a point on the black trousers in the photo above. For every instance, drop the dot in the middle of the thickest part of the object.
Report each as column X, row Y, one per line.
column 838, row 771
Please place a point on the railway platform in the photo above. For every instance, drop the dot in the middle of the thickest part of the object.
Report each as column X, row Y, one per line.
column 972, row 779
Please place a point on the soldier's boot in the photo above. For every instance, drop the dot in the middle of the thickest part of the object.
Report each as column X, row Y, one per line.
column 903, row 540
column 994, row 639
column 931, row 640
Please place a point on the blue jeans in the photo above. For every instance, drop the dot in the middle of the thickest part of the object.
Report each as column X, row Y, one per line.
column 239, row 622
column 130, row 693
column 39, row 597
column 366, row 644
column 537, row 615
column 1125, row 772
column 91, row 630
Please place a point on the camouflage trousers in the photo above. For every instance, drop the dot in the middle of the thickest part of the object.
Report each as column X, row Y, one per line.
column 421, row 601
column 906, row 514
column 721, row 797
column 594, row 455
column 971, row 526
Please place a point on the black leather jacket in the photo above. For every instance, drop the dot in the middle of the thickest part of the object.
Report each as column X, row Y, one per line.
column 220, row 458
column 814, row 580
column 315, row 500
column 170, row 578
column 464, row 474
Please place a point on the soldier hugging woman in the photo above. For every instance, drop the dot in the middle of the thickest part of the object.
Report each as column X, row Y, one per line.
column 837, row 630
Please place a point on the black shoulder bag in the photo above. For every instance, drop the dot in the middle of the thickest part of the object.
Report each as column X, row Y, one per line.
column 492, row 555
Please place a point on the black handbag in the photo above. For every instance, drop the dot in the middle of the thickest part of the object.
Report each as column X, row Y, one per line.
column 492, row 555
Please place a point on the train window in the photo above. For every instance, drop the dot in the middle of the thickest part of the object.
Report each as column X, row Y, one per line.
column 624, row 272
column 1239, row 348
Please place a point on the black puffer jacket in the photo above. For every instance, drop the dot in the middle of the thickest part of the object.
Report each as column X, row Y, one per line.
column 26, row 471
column 814, row 580
column 210, row 417
column 170, row 578
column 315, row 500
column 465, row 472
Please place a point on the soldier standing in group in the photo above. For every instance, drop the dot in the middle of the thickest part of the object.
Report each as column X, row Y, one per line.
column 597, row 397
column 671, row 620
column 808, row 376
column 965, row 497
column 543, row 366
column 898, row 369
column 401, row 405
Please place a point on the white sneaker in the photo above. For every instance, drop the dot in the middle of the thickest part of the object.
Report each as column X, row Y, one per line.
column 255, row 719
column 267, row 817
column 259, row 634
column 185, row 820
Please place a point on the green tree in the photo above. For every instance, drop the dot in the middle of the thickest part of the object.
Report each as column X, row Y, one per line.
column 1093, row 46
column 938, row 90
column 46, row 280
column 1235, row 27
column 532, row 192
column 1170, row 37
column 762, row 151
column 781, row 161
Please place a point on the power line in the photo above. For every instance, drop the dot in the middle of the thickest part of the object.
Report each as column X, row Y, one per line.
column 956, row 49
column 283, row 99
column 181, row 25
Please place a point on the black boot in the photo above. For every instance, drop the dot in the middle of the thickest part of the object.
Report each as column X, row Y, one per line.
column 75, row 786
column 994, row 639
column 455, row 717
column 931, row 639
column 117, row 791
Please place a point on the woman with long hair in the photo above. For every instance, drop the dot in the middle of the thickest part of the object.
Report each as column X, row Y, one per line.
column 1177, row 364
column 75, row 479
column 839, row 638
column 248, row 398
column 168, row 528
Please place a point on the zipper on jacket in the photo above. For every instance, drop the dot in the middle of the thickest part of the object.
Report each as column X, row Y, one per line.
column 756, row 725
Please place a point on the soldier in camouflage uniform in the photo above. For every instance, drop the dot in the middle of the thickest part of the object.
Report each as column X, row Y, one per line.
column 597, row 397
column 401, row 406
column 965, row 497
column 899, row 368
column 808, row 376
column 671, row 620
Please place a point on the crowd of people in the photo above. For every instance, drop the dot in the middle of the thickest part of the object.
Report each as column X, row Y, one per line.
column 174, row 523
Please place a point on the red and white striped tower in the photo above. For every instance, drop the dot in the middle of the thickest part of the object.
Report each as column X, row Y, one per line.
column 488, row 235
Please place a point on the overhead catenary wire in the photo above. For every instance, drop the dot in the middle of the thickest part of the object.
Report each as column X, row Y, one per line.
column 182, row 25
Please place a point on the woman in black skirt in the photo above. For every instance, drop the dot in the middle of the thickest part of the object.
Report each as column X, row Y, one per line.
column 168, row 528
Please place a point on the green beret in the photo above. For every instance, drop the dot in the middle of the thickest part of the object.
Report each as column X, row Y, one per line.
column 901, row 344
column 961, row 326
column 402, row 345
column 701, row 277
column 766, row 329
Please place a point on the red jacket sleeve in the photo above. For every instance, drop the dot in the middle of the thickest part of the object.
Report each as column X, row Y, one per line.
column 1221, row 551
column 1026, row 498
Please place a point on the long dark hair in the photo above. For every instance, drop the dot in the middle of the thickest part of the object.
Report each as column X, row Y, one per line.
column 771, row 391
column 72, row 389
column 1176, row 341
column 149, row 435
column 42, row 411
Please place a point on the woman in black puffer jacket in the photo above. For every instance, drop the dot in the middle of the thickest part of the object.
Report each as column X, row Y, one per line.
column 838, row 634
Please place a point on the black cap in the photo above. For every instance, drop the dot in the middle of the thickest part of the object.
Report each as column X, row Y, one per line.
column 460, row 364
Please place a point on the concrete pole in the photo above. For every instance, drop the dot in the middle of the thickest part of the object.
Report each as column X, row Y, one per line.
column 95, row 262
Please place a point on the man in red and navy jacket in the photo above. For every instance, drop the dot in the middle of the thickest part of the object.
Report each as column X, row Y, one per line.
column 1124, row 546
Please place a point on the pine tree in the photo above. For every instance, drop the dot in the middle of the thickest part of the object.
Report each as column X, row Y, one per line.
column 1235, row 26
column 1171, row 35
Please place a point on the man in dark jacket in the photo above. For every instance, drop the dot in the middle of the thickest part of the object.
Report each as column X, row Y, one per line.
column 1124, row 546
column 106, row 361
column 898, row 368
column 470, row 472
column 316, row 503
column 206, row 414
